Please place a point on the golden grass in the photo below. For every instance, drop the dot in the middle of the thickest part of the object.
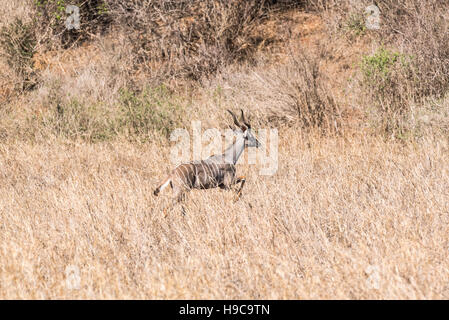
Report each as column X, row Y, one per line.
column 355, row 216
column 337, row 209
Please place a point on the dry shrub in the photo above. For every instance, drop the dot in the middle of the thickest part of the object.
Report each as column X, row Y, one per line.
column 295, row 93
column 10, row 11
column 51, row 17
column 166, row 39
column 192, row 39
column 301, row 95
column 418, row 28
column 417, row 65
column 421, row 28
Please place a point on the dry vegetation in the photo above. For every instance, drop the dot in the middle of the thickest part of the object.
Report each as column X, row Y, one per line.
column 359, row 206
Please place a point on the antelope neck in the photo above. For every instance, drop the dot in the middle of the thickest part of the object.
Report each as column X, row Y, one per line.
column 234, row 151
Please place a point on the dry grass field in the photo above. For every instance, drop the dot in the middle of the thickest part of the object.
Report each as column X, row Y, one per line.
column 355, row 210
column 336, row 211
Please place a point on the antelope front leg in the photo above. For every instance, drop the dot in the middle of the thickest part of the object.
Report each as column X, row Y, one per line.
column 242, row 180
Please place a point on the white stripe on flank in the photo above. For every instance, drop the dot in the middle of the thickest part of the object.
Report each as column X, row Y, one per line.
column 164, row 185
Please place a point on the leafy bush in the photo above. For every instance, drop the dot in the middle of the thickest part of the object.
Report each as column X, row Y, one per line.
column 418, row 27
column 74, row 119
column 152, row 110
column 389, row 79
column 355, row 24
column 139, row 115
column 378, row 68
column 396, row 82
column 421, row 29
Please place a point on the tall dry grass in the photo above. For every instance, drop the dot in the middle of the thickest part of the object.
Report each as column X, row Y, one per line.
column 336, row 211
column 352, row 215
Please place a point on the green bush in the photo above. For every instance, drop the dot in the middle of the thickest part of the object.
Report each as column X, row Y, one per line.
column 74, row 119
column 378, row 69
column 355, row 24
column 18, row 43
column 389, row 79
column 419, row 28
column 152, row 110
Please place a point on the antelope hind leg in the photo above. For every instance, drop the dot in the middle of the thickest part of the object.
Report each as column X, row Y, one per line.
column 180, row 197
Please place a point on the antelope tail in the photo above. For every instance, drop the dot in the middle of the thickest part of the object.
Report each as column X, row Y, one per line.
column 162, row 186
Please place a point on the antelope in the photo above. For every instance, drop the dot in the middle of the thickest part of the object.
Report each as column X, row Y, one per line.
column 216, row 171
